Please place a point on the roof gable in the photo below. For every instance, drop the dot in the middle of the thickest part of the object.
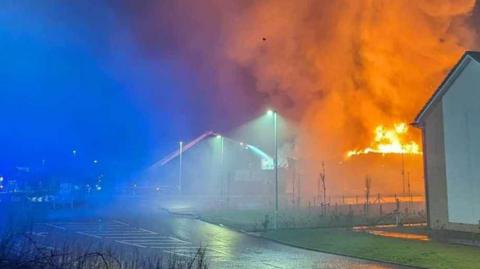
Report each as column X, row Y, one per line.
column 446, row 83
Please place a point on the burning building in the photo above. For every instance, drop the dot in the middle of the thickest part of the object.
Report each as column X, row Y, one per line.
column 450, row 123
column 213, row 168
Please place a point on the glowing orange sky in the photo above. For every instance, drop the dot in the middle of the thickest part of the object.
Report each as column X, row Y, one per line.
column 345, row 67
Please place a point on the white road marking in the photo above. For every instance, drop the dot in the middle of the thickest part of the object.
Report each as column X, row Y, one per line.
column 131, row 244
column 147, row 231
column 156, row 240
column 87, row 234
column 39, row 234
column 272, row 265
column 124, row 234
column 151, row 244
column 121, row 222
column 55, row 226
column 113, row 237
column 117, row 233
column 176, row 239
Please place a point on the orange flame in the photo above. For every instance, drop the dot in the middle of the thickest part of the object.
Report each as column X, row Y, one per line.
column 389, row 141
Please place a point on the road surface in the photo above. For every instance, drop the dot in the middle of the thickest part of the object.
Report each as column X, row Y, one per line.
column 154, row 231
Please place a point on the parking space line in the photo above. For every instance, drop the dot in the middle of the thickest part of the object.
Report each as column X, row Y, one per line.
column 272, row 265
column 121, row 222
column 155, row 242
column 160, row 244
column 157, row 238
column 130, row 244
column 113, row 237
column 179, row 254
column 147, row 231
column 84, row 224
column 177, row 239
column 118, row 233
column 55, row 226
column 87, row 234
column 124, row 234
column 97, row 229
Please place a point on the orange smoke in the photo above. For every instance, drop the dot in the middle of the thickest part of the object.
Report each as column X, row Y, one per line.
column 344, row 67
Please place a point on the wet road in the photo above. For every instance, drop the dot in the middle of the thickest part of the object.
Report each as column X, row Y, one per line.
column 158, row 231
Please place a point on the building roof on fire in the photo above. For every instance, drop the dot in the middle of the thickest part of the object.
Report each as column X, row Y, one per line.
column 446, row 83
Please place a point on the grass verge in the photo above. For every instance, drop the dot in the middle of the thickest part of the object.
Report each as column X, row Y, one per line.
column 256, row 220
column 425, row 254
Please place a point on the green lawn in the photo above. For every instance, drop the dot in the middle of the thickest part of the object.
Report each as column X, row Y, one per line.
column 427, row 254
column 253, row 220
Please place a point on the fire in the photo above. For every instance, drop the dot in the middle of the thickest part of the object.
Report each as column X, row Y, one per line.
column 334, row 68
column 388, row 141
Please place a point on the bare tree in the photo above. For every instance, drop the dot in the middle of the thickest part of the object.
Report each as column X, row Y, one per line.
column 410, row 205
column 322, row 180
column 368, row 185
column 379, row 201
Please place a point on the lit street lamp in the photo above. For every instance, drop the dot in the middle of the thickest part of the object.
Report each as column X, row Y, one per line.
column 275, row 164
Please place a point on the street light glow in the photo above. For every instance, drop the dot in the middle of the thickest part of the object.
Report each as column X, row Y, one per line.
column 219, row 136
column 270, row 112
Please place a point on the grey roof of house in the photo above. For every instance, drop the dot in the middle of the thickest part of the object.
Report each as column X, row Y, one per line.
column 441, row 90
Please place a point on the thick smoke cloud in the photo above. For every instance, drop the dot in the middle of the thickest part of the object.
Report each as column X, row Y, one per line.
column 336, row 68
column 341, row 68
column 344, row 67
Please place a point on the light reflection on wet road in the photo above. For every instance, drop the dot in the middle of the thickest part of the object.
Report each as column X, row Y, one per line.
column 226, row 248
column 243, row 251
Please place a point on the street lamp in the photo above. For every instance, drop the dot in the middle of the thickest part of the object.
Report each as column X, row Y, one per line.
column 220, row 174
column 275, row 164
column 180, row 169
column 222, row 158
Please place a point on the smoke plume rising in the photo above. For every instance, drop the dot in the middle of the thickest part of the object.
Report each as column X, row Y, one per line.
column 344, row 67
column 338, row 69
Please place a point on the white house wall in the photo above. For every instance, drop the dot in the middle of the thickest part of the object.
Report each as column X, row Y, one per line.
column 461, row 114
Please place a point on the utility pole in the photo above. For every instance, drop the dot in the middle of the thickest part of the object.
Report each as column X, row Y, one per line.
column 409, row 191
column 317, row 198
column 299, row 190
column 180, row 169
column 276, row 167
column 221, row 178
column 294, row 178
column 403, row 172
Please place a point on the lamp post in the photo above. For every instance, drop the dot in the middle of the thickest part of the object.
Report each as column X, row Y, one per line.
column 275, row 165
column 180, row 168
column 220, row 174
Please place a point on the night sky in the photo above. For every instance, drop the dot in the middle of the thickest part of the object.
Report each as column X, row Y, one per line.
column 120, row 82
column 123, row 81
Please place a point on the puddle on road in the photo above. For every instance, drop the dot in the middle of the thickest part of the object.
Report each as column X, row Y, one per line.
column 400, row 235
column 380, row 231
